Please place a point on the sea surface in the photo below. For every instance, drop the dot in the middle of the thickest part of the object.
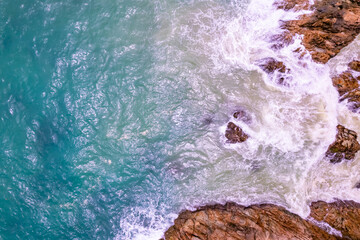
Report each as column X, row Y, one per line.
column 113, row 113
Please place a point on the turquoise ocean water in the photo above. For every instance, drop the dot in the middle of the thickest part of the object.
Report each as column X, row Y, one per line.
column 112, row 116
column 75, row 77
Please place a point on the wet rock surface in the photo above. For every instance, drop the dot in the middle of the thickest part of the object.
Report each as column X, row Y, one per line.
column 332, row 26
column 293, row 4
column 353, row 100
column 348, row 86
column 242, row 115
column 235, row 134
column 266, row 221
column 344, row 147
column 355, row 65
column 345, row 83
column 272, row 66
column 343, row 216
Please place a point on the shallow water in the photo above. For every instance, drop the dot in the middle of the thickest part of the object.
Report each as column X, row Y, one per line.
column 114, row 113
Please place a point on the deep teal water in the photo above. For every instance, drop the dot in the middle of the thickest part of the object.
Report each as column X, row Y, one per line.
column 84, row 141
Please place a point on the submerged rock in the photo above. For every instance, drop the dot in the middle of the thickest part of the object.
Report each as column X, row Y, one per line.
column 235, row 134
column 208, row 120
column 266, row 221
column 271, row 66
column 344, row 147
column 332, row 26
column 242, row 116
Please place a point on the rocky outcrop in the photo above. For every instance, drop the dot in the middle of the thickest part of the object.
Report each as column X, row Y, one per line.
column 235, row 134
column 343, row 216
column 348, row 86
column 344, row 147
column 345, row 83
column 267, row 221
column 332, row 26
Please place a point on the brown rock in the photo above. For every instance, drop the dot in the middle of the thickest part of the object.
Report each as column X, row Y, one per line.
column 265, row 221
column 355, row 65
column 242, row 115
column 357, row 185
column 344, row 147
column 348, row 87
column 293, row 4
column 353, row 99
column 235, row 134
column 345, row 82
column 341, row 215
column 332, row 25
column 271, row 66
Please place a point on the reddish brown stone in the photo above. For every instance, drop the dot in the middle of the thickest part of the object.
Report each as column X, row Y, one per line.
column 344, row 147
column 355, row 65
column 341, row 215
column 348, row 87
column 332, row 25
column 353, row 99
column 272, row 66
column 345, row 82
column 235, row 134
column 266, row 221
column 293, row 4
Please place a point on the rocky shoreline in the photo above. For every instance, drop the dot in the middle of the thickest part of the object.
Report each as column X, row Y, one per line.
column 331, row 26
column 337, row 220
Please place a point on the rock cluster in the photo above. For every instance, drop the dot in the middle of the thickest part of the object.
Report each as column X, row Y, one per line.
column 344, row 147
column 266, row 221
column 348, row 86
column 235, row 134
column 332, row 26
